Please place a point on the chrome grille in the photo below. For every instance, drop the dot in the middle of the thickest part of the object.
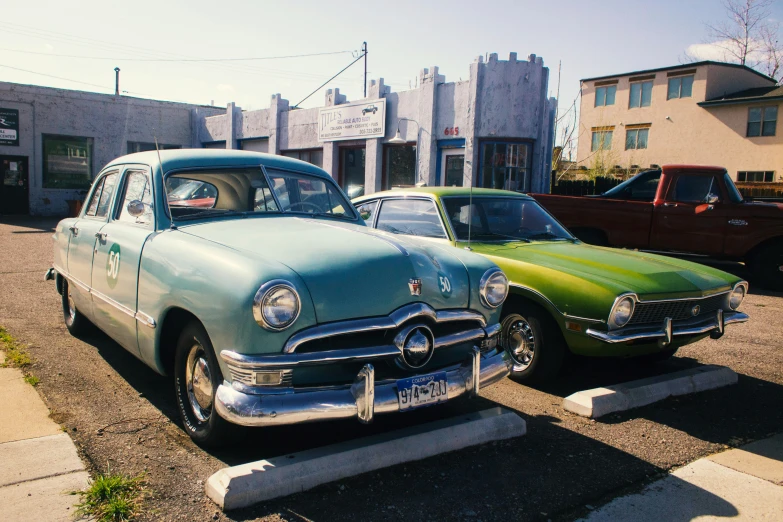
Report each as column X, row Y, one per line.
column 656, row 312
column 245, row 376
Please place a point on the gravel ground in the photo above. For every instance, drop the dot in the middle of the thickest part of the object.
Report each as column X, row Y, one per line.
column 123, row 418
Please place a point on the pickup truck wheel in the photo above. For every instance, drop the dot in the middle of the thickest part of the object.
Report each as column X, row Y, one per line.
column 767, row 266
column 533, row 342
column 76, row 323
column 196, row 379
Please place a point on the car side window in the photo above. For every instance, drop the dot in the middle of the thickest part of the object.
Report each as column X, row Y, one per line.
column 92, row 206
column 695, row 189
column 367, row 211
column 414, row 217
column 137, row 188
column 109, row 182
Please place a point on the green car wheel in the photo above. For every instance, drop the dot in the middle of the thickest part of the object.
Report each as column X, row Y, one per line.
column 533, row 342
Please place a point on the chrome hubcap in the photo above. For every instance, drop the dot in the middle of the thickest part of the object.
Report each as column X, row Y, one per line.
column 519, row 341
column 71, row 308
column 198, row 380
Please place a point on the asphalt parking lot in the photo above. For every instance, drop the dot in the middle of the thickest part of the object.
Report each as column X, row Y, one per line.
column 123, row 418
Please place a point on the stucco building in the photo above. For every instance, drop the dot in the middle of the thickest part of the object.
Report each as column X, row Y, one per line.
column 706, row 113
column 494, row 129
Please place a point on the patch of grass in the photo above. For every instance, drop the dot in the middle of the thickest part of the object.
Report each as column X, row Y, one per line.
column 15, row 354
column 111, row 498
column 31, row 379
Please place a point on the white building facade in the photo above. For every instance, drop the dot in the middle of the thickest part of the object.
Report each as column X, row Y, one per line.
column 494, row 129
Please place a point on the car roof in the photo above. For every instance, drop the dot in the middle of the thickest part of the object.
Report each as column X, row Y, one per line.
column 441, row 192
column 177, row 159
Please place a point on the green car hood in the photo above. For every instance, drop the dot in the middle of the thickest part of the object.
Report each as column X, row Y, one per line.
column 648, row 275
column 350, row 270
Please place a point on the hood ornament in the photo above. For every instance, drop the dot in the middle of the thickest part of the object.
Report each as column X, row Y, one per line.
column 415, row 286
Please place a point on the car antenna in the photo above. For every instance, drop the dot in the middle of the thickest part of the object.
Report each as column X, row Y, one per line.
column 470, row 211
column 172, row 226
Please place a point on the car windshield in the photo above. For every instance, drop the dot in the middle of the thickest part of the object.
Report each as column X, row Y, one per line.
column 502, row 219
column 218, row 192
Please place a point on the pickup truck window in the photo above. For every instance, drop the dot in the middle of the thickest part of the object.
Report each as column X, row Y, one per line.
column 695, row 189
column 641, row 187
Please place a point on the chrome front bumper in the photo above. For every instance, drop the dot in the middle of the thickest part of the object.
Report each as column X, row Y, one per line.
column 713, row 324
column 362, row 400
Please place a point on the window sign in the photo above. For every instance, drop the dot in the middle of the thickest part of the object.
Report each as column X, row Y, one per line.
column 352, row 120
column 9, row 127
column 67, row 162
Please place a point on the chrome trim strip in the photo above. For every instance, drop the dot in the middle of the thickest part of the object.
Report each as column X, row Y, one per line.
column 393, row 320
column 146, row 320
column 460, row 337
column 72, row 279
column 690, row 327
column 282, row 361
column 108, row 300
column 340, row 403
column 638, row 300
column 587, row 319
column 377, row 234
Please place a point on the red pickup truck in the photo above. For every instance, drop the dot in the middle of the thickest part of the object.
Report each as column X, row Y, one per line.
column 680, row 209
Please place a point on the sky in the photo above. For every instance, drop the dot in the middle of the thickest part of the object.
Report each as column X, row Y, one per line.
column 83, row 41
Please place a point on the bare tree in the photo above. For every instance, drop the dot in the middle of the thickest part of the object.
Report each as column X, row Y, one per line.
column 748, row 36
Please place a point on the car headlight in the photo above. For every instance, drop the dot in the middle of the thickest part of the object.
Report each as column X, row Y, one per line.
column 276, row 305
column 621, row 312
column 737, row 296
column 493, row 288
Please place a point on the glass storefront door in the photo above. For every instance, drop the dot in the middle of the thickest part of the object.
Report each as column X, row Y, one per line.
column 505, row 165
column 352, row 171
column 452, row 167
column 14, row 185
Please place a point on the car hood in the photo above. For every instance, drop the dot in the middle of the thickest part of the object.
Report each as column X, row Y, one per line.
column 350, row 270
column 648, row 275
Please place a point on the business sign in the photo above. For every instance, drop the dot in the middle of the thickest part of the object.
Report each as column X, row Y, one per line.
column 9, row 127
column 352, row 121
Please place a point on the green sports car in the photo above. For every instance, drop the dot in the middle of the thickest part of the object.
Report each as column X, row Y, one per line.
column 566, row 296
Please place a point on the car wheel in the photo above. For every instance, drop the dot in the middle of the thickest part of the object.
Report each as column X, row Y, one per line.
column 76, row 323
column 534, row 344
column 767, row 266
column 196, row 379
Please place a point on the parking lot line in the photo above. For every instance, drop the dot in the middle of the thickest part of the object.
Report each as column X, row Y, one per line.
column 247, row 484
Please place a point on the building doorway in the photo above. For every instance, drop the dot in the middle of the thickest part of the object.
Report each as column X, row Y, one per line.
column 352, row 171
column 14, row 185
column 452, row 167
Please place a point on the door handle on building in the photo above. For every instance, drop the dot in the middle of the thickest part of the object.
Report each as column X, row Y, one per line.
column 101, row 236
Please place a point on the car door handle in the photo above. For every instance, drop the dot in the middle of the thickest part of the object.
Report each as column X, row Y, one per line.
column 670, row 204
column 101, row 236
column 74, row 230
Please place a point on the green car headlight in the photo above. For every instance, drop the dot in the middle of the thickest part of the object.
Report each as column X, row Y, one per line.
column 737, row 296
column 621, row 311
column 493, row 288
column 276, row 305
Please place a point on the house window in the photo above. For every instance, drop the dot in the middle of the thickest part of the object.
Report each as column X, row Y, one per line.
column 67, row 162
column 605, row 95
column 762, row 121
column 399, row 166
column 602, row 140
column 680, row 87
column 756, row 176
column 505, row 165
column 140, row 146
column 636, row 138
column 641, row 94
column 314, row 157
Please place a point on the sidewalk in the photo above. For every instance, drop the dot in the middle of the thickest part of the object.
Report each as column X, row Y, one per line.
column 38, row 462
column 744, row 483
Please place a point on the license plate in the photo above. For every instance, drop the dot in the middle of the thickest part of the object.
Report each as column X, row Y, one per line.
column 422, row 390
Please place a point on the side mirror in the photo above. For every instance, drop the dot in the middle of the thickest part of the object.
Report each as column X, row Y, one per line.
column 136, row 208
column 711, row 199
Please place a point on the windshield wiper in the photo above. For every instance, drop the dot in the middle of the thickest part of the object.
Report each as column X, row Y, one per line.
column 550, row 235
column 207, row 213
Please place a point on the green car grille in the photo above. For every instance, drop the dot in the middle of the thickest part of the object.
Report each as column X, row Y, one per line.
column 656, row 312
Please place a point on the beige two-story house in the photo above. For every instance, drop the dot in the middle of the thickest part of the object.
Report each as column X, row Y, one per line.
column 705, row 113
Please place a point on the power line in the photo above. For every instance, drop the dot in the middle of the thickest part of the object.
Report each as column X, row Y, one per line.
column 177, row 59
column 57, row 77
column 329, row 80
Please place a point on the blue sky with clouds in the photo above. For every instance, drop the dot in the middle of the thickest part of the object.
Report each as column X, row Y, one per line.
column 591, row 38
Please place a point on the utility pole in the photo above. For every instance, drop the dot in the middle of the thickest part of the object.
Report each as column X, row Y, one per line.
column 116, row 81
column 364, row 48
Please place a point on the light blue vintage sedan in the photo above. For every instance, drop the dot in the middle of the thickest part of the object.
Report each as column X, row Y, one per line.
column 267, row 298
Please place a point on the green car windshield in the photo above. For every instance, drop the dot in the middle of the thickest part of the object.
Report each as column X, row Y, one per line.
column 249, row 191
column 502, row 219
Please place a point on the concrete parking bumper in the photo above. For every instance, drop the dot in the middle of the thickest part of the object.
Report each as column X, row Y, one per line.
column 247, row 484
column 597, row 402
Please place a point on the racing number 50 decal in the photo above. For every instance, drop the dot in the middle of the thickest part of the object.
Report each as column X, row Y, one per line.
column 113, row 265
